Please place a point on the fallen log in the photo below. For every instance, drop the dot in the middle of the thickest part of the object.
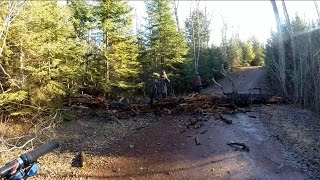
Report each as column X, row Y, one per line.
column 242, row 145
column 243, row 100
column 85, row 100
column 210, row 103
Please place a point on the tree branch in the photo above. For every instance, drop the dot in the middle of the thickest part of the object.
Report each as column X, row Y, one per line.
column 18, row 147
column 224, row 73
column 215, row 82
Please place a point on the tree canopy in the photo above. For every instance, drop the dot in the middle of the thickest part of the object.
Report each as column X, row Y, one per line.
column 49, row 51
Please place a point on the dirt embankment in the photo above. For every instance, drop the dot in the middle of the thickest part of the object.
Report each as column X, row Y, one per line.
column 283, row 143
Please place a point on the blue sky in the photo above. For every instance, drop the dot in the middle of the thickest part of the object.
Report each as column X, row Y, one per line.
column 247, row 17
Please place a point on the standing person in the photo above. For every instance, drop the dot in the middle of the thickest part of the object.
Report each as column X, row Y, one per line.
column 154, row 91
column 197, row 83
column 160, row 89
column 162, row 84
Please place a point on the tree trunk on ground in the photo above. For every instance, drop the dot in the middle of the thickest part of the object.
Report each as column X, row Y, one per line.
column 204, row 102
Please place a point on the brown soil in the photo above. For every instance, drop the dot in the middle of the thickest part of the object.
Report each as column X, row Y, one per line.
column 283, row 143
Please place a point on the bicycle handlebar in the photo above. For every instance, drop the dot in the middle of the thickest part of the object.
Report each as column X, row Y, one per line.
column 33, row 155
column 28, row 158
column 7, row 169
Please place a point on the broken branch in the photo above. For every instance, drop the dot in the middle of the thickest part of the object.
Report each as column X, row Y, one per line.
column 234, row 144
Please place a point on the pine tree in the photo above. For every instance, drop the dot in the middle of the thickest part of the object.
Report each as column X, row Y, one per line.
column 259, row 52
column 120, row 46
column 82, row 17
column 298, row 25
column 166, row 46
column 41, row 52
column 247, row 53
column 234, row 52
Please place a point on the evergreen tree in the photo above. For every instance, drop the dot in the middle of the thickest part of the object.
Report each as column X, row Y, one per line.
column 82, row 17
column 166, row 46
column 247, row 53
column 120, row 51
column 234, row 52
column 299, row 25
column 41, row 53
column 259, row 52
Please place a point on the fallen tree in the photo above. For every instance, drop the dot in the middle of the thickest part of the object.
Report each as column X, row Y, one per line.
column 206, row 102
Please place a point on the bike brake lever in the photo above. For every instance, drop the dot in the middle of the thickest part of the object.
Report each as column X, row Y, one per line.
column 33, row 170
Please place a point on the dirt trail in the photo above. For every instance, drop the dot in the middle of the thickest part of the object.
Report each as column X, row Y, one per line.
column 167, row 148
column 153, row 147
column 245, row 81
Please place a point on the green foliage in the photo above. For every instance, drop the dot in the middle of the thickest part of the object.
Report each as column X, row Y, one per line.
column 166, row 45
column 12, row 97
column 250, row 52
column 202, row 58
column 11, row 102
column 234, row 52
column 213, row 61
column 198, row 34
column 48, row 53
column 299, row 25
column 83, row 17
column 46, row 93
column 302, row 63
column 41, row 54
column 259, row 53
column 120, row 47
column 247, row 53
column 165, row 48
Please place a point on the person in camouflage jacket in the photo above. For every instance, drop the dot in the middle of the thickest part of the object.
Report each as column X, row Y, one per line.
column 160, row 89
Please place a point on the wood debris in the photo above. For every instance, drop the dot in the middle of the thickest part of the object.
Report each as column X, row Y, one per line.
column 204, row 103
column 197, row 141
column 242, row 145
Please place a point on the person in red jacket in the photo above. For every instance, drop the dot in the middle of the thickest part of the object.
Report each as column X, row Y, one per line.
column 197, row 83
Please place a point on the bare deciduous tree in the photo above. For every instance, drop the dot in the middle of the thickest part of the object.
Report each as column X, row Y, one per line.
column 282, row 62
column 317, row 9
column 196, row 49
column 13, row 8
column 293, row 47
column 224, row 30
column 175, row 4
